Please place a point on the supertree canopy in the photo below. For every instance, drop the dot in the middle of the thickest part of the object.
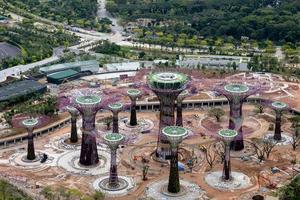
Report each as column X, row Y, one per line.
column 115, row 108
column 88, row 105
column 133, row 95
column 113, row 140
column 279, row 108
column 174, row 135
column 167, row 86
column 88, row 102
column 30, row 123
column 236, row 93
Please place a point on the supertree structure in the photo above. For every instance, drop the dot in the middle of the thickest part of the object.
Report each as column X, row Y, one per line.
column 227, row 135
column 88, row 106
column 236, row 93
column 115, row 108
column 174, row 135
column 167, row 86
column 133, row 95
column 279, row 108
column 113, row 140
column 180, row 98
column 30, row 124
column 74, row 114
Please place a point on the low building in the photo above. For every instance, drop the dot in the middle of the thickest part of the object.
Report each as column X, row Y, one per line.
column 214, row 62
column 20, row 90
column 126, row 66
column 62, row 76
column 91, row 66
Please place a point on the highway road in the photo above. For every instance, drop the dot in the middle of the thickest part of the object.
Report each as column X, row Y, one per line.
column 87, row 38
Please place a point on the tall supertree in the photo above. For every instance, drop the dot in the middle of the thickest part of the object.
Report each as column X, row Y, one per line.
column 133, row 95
column 279, row 108
column 113, row 140
column 175, row 135
column 167, row 86
column 227, row 135
column 88, row 106
column 74, row 114
column 115, row 108
column 236, row 93
column 180, row 98
column 30, row 124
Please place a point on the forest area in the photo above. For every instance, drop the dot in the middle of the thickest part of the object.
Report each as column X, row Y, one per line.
column 76, row 12
column 35, row 44
column 274, row 20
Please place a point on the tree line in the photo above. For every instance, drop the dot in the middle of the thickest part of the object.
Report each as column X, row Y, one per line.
column 82, row 13
column 257, row 19
column 35, row 44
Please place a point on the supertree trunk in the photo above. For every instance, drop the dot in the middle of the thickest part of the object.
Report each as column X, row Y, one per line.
column 174, row 184
column 74, row 136
column 30, row 146
column 88, row 154
column 167, row 118
column 226, row 168
column 133, row 118
column 115, row 123
column 113, row 174
column 277, row 133
column 179, row 121
column 235, row 123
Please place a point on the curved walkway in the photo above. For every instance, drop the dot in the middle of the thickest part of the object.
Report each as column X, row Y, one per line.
column 142, row 107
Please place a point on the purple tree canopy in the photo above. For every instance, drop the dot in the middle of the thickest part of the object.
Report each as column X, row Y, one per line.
column 17, row 120
column 237, row 90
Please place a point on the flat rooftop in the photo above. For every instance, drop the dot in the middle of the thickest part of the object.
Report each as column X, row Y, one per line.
column 89, row 65
column 20, row 88
column 62, row 74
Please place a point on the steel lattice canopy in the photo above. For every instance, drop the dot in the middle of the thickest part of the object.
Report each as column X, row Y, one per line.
column 30, row 122
column 134, row 92
column 184, row 93
column 115, row 106
column 236, row 88
column 174, row 133
column 72, row 110
column 167, row 80
column 113, row 139
column 279, row 105
column 227, row 134
column 88, row 100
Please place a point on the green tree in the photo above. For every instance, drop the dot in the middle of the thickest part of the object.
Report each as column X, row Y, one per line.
column 259, row 108
column 296, row 131
column 234, row 66
column 142, row 54
column 216, row 112
column 98, row 196
column 291, row 191
column 10, row 192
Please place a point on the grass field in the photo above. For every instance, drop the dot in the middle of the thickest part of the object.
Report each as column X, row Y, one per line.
column 10, row 192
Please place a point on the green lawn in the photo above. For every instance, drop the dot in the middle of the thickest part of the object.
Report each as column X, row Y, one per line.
column 10, row 192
